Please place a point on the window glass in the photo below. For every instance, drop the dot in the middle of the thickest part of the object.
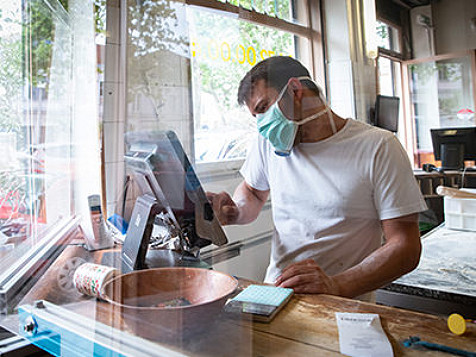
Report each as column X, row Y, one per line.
column 223, row 49
column 281, row 9
column 49, row 145
column 388, row 37
column 386, row 76
column 35, row 120
column 158, row 68
column 389, row 79
column 441, row 94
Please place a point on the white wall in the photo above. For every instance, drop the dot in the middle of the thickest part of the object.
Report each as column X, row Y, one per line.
column 339, row 64
column 350, row 74
column 453, row 30
column 422, row 37
column 113, row 113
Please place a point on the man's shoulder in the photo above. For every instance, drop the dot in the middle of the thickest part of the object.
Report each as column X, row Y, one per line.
column 367, row 133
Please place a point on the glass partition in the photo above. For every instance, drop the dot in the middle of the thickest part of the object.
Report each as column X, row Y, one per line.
column 182, row 66
column 35, row 121
column 48, row 131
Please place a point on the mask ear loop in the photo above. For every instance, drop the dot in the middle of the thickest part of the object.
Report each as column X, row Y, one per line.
column 312, row 117
column 280, row 96
column 318, row 114
column 329, row 114
column 326, row 110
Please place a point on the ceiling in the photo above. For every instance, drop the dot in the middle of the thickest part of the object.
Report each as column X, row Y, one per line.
column 412, row 3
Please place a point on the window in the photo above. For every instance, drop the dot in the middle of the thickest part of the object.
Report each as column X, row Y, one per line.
column 388, row 37
column 48, row 118
column 442, row 93
column 223, row 48
column 389, row 66
column 185, row 62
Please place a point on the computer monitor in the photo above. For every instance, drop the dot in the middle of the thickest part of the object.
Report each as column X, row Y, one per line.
column 453, row 146
column 160, row 168
column 386, row 112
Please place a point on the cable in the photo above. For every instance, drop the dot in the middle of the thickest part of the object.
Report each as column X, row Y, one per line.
column 462, row 177
column 464, row 172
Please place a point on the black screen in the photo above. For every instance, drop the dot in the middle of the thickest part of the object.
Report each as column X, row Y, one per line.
column 386, row 112
column 454, row 145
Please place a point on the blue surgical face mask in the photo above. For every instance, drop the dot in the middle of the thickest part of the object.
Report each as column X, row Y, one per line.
column 279, row 130
column 275, row 127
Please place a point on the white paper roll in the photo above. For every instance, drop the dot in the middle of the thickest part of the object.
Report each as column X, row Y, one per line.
column 90, row 279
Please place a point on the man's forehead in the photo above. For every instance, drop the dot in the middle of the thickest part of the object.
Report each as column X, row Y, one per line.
column 259, row 89
column 259, row 85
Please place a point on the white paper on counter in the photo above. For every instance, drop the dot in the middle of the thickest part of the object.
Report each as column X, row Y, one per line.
column 361, row 335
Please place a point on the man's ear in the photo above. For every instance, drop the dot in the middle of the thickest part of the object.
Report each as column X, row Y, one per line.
column 291, row 102
column 295, row 88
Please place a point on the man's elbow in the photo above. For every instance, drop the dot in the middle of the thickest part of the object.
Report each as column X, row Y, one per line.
column 412, row 256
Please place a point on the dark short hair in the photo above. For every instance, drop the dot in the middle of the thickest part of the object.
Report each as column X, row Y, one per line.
column 276, row 71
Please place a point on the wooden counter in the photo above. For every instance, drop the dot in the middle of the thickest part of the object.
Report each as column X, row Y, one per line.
column 306, row 326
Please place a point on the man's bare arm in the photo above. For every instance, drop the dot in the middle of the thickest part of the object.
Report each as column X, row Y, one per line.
column 399, row 255
column 243, row 208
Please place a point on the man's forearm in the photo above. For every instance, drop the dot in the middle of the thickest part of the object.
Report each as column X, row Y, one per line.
column 392, row 260
column 249, row 203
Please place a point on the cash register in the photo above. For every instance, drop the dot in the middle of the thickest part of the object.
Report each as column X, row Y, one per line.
column 172, row 218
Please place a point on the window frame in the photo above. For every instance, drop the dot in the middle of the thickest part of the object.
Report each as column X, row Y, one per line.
column 27, row 270
column 406, row 133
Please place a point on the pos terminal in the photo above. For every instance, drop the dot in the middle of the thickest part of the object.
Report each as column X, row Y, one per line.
column 171, row 210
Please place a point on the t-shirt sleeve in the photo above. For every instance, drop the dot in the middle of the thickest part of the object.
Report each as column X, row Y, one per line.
column 255, row 168
column 396, row 192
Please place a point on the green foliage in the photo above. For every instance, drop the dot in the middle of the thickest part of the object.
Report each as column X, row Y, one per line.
column 153, row 26
column 11, row 80
column 447, row 105
column 40, row 28
column 423, row 72
column 450, row 72
column 155, row 38
column 29, row 27
column 275, row 8
column 382, row 31
column 221, row 78
column 100, row 16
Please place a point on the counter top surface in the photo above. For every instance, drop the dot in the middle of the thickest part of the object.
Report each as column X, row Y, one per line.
column 306, row 326
column 447, row 267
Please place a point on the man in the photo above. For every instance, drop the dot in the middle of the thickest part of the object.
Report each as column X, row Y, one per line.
column 337, row 185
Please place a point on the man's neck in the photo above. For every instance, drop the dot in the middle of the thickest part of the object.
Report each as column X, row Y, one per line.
column 320, row 128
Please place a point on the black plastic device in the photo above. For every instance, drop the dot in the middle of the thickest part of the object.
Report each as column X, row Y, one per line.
column 140, row 228
column 453, row 146
column 387, row 112
column 431, row 168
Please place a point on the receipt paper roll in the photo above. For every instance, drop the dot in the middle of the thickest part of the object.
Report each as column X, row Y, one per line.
column 90, row 279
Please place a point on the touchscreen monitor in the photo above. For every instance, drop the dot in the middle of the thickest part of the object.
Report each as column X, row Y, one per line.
column 158, row 164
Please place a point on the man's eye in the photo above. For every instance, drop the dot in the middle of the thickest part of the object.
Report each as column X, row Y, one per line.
column 262, row 108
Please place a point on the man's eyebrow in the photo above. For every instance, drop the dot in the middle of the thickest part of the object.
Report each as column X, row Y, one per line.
column 259, row 103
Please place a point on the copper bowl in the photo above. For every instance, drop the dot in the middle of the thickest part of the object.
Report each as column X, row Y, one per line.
column 168, row 303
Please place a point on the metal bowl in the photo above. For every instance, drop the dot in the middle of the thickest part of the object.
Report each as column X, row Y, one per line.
column 169, row 303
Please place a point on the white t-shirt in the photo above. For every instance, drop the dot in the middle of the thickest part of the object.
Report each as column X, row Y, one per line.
column 329, row 197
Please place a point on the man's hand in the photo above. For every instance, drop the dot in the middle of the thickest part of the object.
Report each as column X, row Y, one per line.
column 306, row 277
column 224, row 207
